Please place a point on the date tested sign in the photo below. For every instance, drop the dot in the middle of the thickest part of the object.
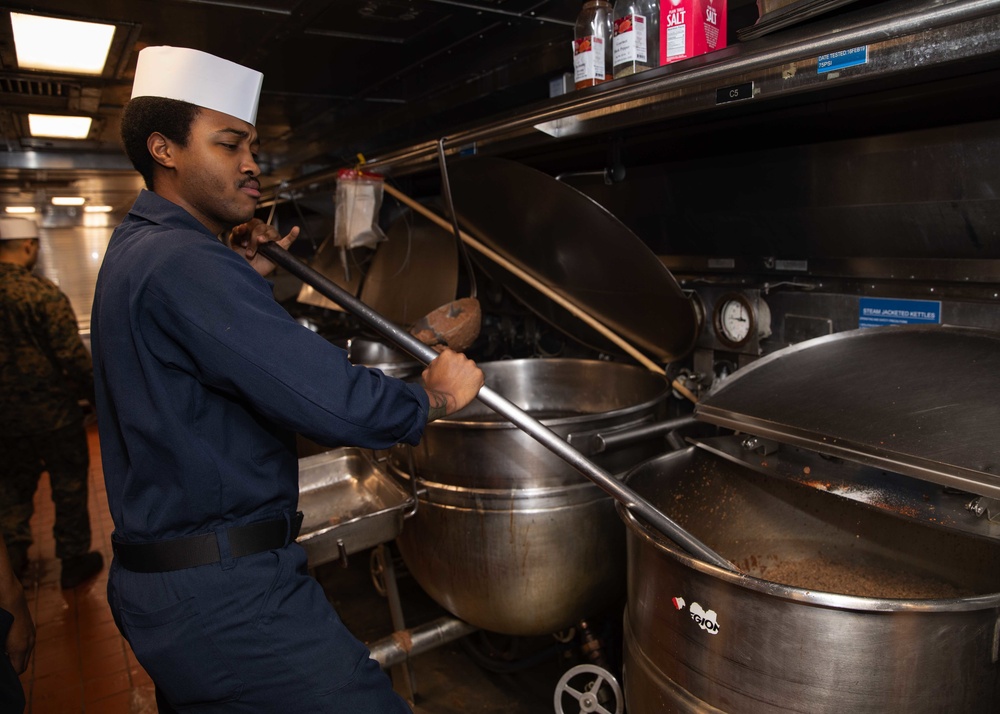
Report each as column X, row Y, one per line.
column 876, row 312
column 842, row 59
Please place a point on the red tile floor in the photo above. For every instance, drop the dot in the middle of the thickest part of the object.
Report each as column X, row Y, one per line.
column 81, row 663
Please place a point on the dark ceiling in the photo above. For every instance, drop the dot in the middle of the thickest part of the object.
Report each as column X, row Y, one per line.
column 340, row 77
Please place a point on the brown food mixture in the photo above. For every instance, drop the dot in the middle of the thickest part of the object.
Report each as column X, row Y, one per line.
column 826, row 575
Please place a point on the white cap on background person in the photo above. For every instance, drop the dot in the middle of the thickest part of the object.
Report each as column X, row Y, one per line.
column 17, row 228
column 198, row 78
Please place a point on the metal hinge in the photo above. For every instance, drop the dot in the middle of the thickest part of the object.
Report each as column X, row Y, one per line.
column 759, row 445
column 984, row 505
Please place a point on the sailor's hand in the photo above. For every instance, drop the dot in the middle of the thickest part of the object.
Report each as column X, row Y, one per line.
column 246, row 238
column 451, row 381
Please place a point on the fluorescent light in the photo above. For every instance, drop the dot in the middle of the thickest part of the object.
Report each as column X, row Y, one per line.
column 97, row 209
column 68, row 200
column 55, row 45
column 96, row 220
column 59, row 127
column 20, row 209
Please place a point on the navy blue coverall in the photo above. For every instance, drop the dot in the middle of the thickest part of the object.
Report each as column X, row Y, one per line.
column 202, row 381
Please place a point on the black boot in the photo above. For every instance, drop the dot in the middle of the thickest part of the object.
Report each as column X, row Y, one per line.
column 79, row 568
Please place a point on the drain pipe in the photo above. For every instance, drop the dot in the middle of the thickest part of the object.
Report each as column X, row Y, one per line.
column 403, row 644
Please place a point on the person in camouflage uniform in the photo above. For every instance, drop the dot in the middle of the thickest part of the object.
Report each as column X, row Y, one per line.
column 45, row 370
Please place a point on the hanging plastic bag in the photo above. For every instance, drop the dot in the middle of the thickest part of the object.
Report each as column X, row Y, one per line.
column 358, row 200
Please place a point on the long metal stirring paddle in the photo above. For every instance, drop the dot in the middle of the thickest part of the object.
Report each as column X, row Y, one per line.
column 534, row 428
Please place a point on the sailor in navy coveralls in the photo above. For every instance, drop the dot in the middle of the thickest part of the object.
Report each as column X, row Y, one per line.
column 202, row 382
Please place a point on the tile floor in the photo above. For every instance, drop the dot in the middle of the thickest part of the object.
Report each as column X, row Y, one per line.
column 81, row 663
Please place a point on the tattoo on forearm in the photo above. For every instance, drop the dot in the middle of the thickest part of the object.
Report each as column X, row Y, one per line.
column 438, row 406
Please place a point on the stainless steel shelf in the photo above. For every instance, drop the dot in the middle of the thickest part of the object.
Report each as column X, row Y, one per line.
column 905, row 38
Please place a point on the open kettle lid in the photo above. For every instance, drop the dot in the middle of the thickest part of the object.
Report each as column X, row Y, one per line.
column 916, row 400
column 576, row 247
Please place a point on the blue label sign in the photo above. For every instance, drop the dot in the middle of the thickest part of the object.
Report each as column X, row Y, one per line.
column 841, row 60
column 874, row 312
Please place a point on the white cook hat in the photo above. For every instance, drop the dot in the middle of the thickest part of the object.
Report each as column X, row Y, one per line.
column 17, row 228
column 198, row 78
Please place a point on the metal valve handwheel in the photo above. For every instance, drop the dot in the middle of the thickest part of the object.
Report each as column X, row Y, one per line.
column 595, row 690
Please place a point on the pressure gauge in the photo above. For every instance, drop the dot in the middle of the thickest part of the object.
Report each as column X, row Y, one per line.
column 737, row 320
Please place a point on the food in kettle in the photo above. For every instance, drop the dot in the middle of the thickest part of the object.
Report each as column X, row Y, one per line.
column 825, row 574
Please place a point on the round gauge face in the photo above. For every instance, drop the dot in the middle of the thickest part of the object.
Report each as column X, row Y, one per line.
column 734, row 320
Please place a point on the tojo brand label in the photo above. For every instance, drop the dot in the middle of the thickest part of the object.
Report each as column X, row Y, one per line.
column 707, row 620
column 691, row 27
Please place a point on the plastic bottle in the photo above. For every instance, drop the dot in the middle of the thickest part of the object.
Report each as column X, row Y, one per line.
column 592, row 44
column 636, row 28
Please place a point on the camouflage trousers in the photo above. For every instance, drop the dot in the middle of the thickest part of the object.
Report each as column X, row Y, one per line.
column 64, row 454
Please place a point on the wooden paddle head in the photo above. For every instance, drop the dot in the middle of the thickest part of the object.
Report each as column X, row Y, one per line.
column 454, row 325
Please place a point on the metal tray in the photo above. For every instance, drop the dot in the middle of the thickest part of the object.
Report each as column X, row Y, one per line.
column 349, row 504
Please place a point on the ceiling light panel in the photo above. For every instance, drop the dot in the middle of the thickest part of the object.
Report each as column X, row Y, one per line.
column 56, row 45
column 59, row 127
column 68, row 200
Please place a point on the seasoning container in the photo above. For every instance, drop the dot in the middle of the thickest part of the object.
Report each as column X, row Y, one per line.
column 691, row 27
column 592, row 44
column 636, row 43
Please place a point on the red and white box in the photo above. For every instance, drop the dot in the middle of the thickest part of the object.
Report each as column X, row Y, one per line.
column 691, row 27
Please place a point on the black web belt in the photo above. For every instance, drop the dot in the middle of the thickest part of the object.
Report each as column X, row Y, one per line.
column 179, row 553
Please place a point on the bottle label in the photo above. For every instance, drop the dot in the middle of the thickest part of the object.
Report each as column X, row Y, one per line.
column 630, row 39
column 588, row 59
